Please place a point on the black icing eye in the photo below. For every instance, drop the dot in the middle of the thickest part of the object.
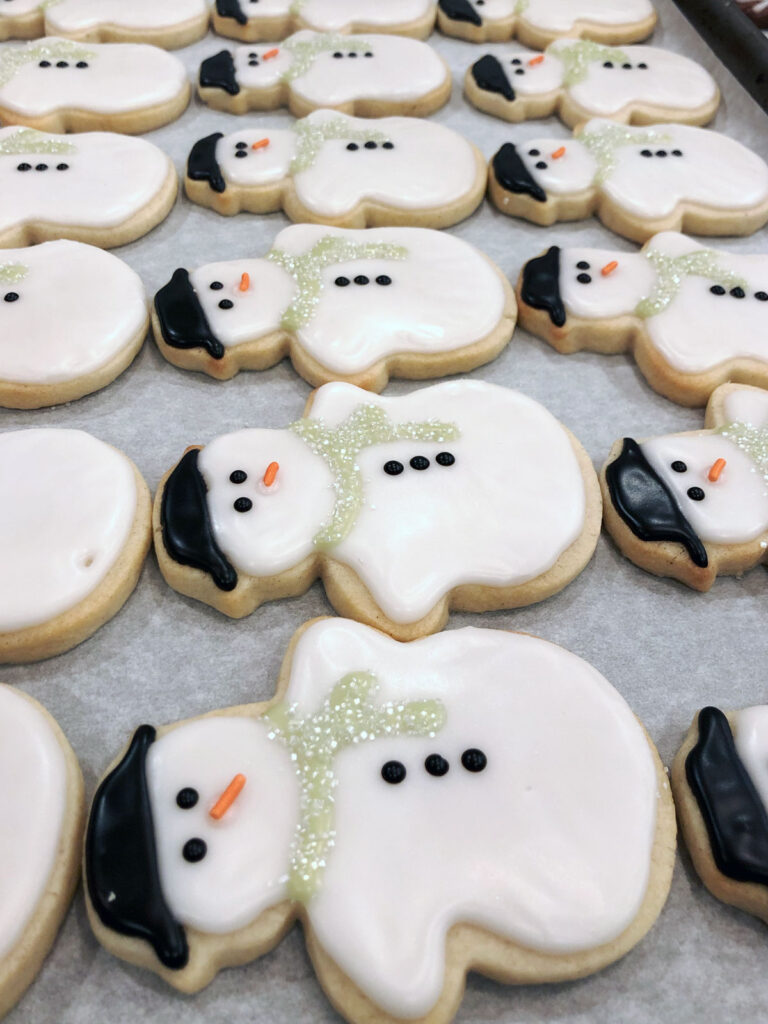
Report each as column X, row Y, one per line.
column 187, row 798
column 583, row 278
column 717, row 289
column 352, row 146
column 516, row 61
column 342, row 282
column 241, row 145
column 62, row 64
column 679, row 467
column 387, row 145
column 435, row 764
column 608, row 64
column 44, row 64
column 62, row 167
column 371, row 145
column 241, row 153
column 761, row 296
column 419, row 462
column 238, row 476
column 582, row 265
column 695, row 494
column 41, row 167
column 393, row 468
column 361, row 279
column 534, row 152
column 393, row 772
column 24, row 167
column 445, row 459
column 242, row 505
column 738, row 293
column 226, row 304
column 520, row 71
column 194, row 850
column 541, row 165
column 645, row 152
column 81, row 64
column 253, row 63
column 383, row 279
column 216, row 286
column 474, row 760
column 11, row 297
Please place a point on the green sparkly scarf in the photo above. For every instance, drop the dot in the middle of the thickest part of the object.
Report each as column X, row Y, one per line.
column 577, row 56
column 346, row 717
column 604, row 141
column 29, row 140
column 306, row 51
column 12, row 273
column 63, row 49
column 312, row 135
column 752, row 440
column 671, row 271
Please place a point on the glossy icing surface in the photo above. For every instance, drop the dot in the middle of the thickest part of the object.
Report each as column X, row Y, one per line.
column 33, row 775
column 563, row 15
column 344, row 15
column 17, row 8
column 72, row 16
column 70, row 502
column 76, row 308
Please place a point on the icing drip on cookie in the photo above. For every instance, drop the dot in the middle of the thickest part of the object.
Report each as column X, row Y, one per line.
column 311, row 136
column 346, row 717
column 671, row 271
column 604, row 141
column 29, row 140
column 576, row 58
column 11, row 60
column 306, row 51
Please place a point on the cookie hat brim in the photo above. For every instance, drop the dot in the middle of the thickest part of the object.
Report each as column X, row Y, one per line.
column 183, row 322
column 541, row 285
column 489, row 75
column 202, row 164
column 218, row 72
column 512, row 174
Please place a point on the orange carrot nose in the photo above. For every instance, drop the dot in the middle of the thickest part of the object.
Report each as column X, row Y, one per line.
column 270, row 54
column 535, row 60
column 261, row 144
column 271, row 473
column 245, row 282
column 228, row 797
column 558, row 153
column 717, row 468
column 609, row 268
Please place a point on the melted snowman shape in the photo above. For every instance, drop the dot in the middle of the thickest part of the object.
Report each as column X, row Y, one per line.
column 581, row 79
column 168, row 23
column 253, row 20
column 72, row 317
column 41, row 803
column 333, row 169
column 453, row 735
column 370, row 75
column 463, row 483
column 62, row 86
column 706, row 491
column 354, row 305
column 639, row 180
column 539, row 22
column 694, row 317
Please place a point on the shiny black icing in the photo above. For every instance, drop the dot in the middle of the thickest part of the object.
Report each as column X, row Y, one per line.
column 647, row 505
column 489, row 75
column 541, row 285
column 231, row 9
column 186, row 523
column 183, row 322
column 121, row 859
column 202, row 164
column 460, row 10
column 736, row 820
column 512, row 174
column 218, row 72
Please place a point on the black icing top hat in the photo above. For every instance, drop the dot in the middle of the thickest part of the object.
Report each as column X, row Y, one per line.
column 183, row 322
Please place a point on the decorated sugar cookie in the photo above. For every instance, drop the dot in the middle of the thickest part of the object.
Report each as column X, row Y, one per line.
column 101, row 188
column 254, row 20
column 209, row 837
column 539, row 22
column 720, row 779
column 57, row 85
column 41, row 829
column 695, row 505
column 579, row 79
column 693, row 316
column 21, row 19
column 330, row 168
column 74, row 532
column 638, row 181
column 370, row 76
column 166, row 23
column 344, row 305
column 72, row 317
column 462, row 495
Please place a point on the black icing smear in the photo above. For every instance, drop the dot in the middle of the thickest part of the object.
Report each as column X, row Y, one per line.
column 512, row 174
column 218, row 72
column 202, row 164
column 121, row 859
column 647, row 505
column 460, row 10
column 186, row 523
column 490, row 76
column 182, row 319
column 541, row 285
column 736, row 821
column 231, row 9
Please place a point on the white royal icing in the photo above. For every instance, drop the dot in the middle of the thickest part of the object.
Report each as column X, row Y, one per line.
column 502, row 514
column 546, row 847
column 33, row 798
column 109, row 178
column 340, row 15
column 77, row 308
column 68, row 17
column 443, row 295
column 68, row 507
column 427, row 166
column 341, row 69
column 110, row 79
column 750, row 734
column 562, row 16
column 746, row 405
column 17, row 8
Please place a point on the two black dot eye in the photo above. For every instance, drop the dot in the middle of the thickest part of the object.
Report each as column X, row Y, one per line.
column 216, row 286
column 194, row 850
column 695, row 493
column 11, row 297
column 238, row 476
column 436, row 765
column 187, row 798
column 472, row 760
column 418, row 462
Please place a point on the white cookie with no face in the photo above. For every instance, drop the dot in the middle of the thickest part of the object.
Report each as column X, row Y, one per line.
column 169, row 23
column 253, row 20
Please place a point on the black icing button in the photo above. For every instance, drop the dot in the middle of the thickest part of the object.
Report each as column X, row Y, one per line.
column 474, row 760
column 393, row 772
column 627, row 67
column 342, row 282
column 436, row 765
column 353, row 54
column 41, row 167
column 534, row 152
column 738, row 293
column 370, row 144
column 520, row 71
column 679, row 466
column 226, row 304
column 62, row 64
column 608, row 64
column 387, row 145
column 241, row 145
column 238, row 476
column 242, row 505
column 44, row 64
column 645, row 152
column 445, row 459
column 661, row 152
column 352, row 146
column 717, row 289
column 187, row 797
column 695, row 494
column 541, row 165
column 393, row 467
column 10, row 296
column 643, row 65
column 383, row 279
column 419, row 462
column 216, row 286
column 583, row 278
column 677, row 152
column 62, row 167
column 362, row 279
column 368, row 54
column 24, row 167
column 81, row 64
column 194, row 850
column 337, row 55
column 240, row 153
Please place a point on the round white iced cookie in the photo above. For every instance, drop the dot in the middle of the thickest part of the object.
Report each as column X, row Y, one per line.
column 300, row 804
column 171, row 23
column 537, row 22
column 275, row 19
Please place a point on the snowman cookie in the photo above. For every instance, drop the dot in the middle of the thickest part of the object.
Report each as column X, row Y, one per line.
column 464, row 495
column 638, row 181
column 721, row 794
column 694, row 506
column 167, row 23
column 208, row 838
column 370, row 76
column 693, row 317
column 255, row 20
column 21, row 19
column 329, row 168
column 74, row 533
column 358, row 306
column 42, row 812
column 101, row 188
column 57, row 85
column 580, row 79
column 72, row 318
column 538, row 22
